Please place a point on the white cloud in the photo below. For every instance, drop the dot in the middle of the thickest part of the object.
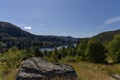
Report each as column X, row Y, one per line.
column 112, row 20
column 109, row 21
column 64, row 34
column 28, row 28
column 40, row 24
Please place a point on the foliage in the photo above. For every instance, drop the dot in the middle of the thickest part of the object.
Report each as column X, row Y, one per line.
column 71, row 59
column 38, row 52
column 71, row 51
column 114, row 49
column 12, row 35
column 92, row 50
column 81, row 47
column 12, row 59
column 95, row 51
column 93, row 71
column 107, row 36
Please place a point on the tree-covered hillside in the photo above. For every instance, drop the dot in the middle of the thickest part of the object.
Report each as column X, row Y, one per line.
column 12, row 35
column 107, row 36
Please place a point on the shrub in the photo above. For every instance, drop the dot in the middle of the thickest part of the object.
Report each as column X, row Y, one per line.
column 95, row 51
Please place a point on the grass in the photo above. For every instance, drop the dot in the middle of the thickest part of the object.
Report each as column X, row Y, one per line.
column 91, row 71
column 11, row 75
column 85, row 71
column 9, row 62
column 7, row 73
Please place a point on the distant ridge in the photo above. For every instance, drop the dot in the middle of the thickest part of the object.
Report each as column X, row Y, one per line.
column 107, row 36
column 12, row 35
column 104, row 36
column 13, row 30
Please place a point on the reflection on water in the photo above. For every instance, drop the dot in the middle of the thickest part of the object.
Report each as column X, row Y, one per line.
column 52, row 48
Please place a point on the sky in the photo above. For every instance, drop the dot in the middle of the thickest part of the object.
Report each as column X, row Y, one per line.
column 77, row 18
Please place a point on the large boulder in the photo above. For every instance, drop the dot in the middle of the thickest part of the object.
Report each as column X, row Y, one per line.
column 39, row 69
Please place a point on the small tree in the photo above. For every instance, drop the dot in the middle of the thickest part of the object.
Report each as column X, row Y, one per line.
column 114, row 49
column 95, row 51
column 81, row 48
column 63, row 52
column 3, row 47
column 38, row 52
column 70, row 51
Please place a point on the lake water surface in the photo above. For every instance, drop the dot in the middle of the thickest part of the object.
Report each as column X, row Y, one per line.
column 52, row 48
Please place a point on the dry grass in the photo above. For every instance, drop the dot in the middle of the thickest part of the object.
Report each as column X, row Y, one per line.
column 11, row 75
column 6, row 73
column 87, row 72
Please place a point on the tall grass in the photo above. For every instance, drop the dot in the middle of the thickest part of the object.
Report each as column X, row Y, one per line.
column 11, row 60
column 85, row 72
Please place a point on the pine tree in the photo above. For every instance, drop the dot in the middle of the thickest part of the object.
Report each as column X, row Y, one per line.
column 81, row 48
column 38, row 53
column 114, row 49
column 95, row 51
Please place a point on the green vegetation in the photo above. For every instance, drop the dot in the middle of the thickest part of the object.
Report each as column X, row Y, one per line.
column 114, row 49
column 92, row 51
column 107, row 36
column 95, row 51
column 11, row 60
column 93, row 56
column 93, row 71
column 81, row 47
column 11, row 35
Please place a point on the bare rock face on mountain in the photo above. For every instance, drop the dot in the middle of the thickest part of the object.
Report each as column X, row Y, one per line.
column 40, row 69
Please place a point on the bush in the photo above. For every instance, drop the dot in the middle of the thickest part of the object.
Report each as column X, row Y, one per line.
column 114, row 49
column 95, row 51
column 70, row 59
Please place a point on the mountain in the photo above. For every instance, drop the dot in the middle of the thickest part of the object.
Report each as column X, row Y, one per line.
column 69, row 38
column 13, row 30
column 12, row 35
column 107, row 36
column 104, row 36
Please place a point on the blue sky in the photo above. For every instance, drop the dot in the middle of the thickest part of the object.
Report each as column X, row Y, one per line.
column 77, row 18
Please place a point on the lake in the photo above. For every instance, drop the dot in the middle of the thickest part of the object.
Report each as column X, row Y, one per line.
column 52, row 48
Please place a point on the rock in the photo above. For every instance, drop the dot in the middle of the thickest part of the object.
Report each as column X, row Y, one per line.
column 39, row 69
